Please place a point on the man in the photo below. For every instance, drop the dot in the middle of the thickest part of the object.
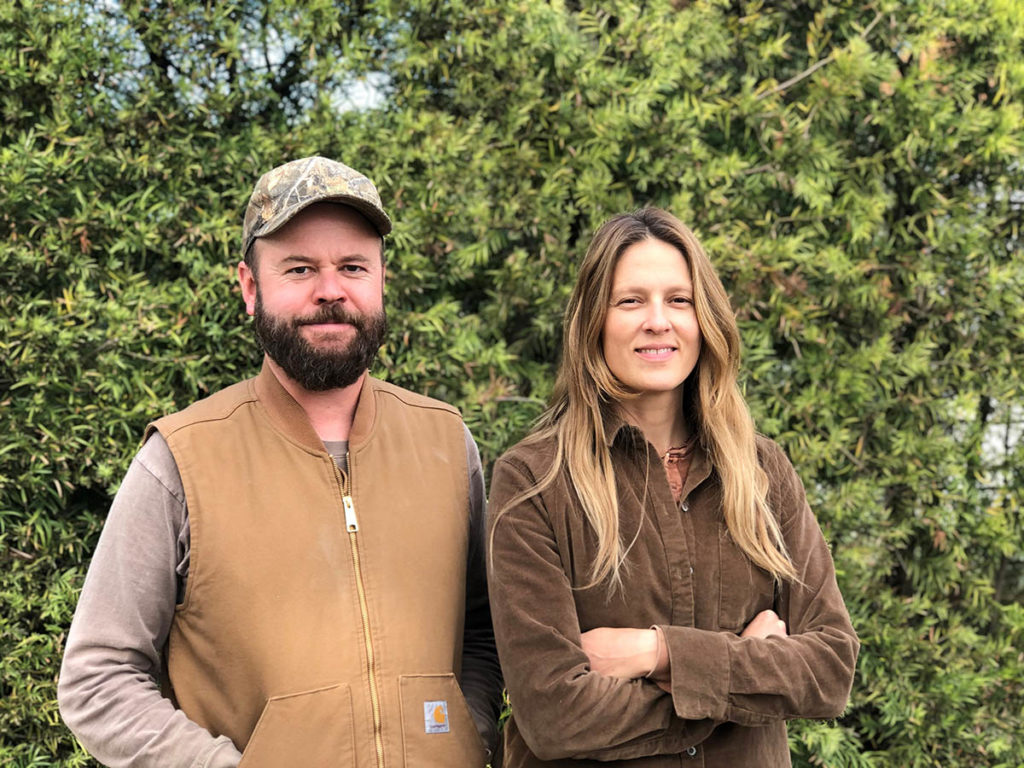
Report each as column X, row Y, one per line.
column 298, row 558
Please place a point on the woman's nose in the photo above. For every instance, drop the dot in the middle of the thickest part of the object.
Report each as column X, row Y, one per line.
column 656, row 321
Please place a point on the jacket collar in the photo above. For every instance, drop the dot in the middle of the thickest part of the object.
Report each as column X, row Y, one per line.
column 631, row 438
column 290, row 418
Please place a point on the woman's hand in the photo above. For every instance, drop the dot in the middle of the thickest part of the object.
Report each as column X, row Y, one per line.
column 621, row 652
column 628, row 653
column 764, row 624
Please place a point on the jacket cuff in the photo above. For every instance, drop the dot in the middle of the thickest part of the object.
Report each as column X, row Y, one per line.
column 700, row 672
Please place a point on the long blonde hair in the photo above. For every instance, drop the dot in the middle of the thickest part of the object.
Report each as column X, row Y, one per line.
column 586, row 393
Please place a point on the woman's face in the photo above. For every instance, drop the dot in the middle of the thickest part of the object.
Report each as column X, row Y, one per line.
column 650, row 337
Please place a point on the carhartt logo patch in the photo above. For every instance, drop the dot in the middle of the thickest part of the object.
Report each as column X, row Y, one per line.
column 435, row 716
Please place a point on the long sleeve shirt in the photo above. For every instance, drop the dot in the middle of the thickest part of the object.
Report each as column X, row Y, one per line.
column 109, row 689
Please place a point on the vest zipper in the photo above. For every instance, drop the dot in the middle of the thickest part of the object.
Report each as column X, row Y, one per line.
column 352, row 527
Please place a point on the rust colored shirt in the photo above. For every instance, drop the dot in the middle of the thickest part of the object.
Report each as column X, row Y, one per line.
column 677, row 464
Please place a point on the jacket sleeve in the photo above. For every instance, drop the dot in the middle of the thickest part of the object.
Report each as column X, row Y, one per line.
column 481, row 674
column 107, row 692
column 754, row 681
column 562, row 709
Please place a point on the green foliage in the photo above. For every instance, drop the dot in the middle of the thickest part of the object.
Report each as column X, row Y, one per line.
column 854, row 170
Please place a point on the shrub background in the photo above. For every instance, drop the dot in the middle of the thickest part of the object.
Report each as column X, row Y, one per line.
column 853, row 169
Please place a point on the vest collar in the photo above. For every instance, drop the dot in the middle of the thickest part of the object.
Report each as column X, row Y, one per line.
column 290, row 418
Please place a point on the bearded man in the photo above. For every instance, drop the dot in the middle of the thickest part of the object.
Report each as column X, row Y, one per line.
column 292, row 572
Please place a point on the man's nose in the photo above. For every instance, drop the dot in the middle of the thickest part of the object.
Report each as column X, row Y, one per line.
column 329, row 287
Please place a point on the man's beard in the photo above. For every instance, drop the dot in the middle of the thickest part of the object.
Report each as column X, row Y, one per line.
column 319, row 369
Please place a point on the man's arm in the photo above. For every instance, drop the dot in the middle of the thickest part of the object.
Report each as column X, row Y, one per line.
column 108, row 691
column 481, row 673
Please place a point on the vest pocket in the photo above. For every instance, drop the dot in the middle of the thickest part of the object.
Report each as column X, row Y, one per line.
column 308, row 728
column 437, row 729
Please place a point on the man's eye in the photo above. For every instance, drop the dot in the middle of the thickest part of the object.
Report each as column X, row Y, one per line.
column 298, row 270
column 353, row 268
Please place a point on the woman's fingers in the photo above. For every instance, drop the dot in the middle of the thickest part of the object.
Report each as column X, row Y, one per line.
column 764, row 624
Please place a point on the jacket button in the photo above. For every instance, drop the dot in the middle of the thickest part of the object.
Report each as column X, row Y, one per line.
column 686, row 506
column 691, row 752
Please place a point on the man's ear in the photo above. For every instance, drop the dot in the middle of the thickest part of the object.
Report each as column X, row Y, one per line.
column 247, row 282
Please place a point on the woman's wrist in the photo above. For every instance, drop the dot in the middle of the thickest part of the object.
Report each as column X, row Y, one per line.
column 621, row 652
column 660, row 667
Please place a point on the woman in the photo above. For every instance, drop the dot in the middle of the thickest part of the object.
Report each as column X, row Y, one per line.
column 660, row 588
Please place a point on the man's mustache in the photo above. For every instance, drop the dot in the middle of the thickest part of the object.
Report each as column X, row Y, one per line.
column 331, row 313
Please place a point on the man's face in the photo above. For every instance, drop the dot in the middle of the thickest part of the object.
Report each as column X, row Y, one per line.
column 317, row 296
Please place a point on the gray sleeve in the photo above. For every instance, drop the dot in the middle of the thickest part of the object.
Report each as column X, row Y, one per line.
column 481, row 674
column 108, row 690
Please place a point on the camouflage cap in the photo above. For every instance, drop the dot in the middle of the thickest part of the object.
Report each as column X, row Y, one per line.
column 287, row 189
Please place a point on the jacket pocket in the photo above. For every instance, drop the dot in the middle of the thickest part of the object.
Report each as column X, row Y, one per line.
column 745, row 590
column 311, row 728
column 437, row 728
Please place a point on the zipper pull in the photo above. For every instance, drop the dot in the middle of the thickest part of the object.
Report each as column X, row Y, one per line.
column 350, row 514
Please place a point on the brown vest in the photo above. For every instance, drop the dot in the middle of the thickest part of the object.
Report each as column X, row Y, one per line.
column 322, row 620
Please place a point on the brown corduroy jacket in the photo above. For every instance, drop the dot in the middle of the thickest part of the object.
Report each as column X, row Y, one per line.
column 730, row 695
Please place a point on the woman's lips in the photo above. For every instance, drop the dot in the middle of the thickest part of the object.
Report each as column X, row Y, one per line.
column 655, row 353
